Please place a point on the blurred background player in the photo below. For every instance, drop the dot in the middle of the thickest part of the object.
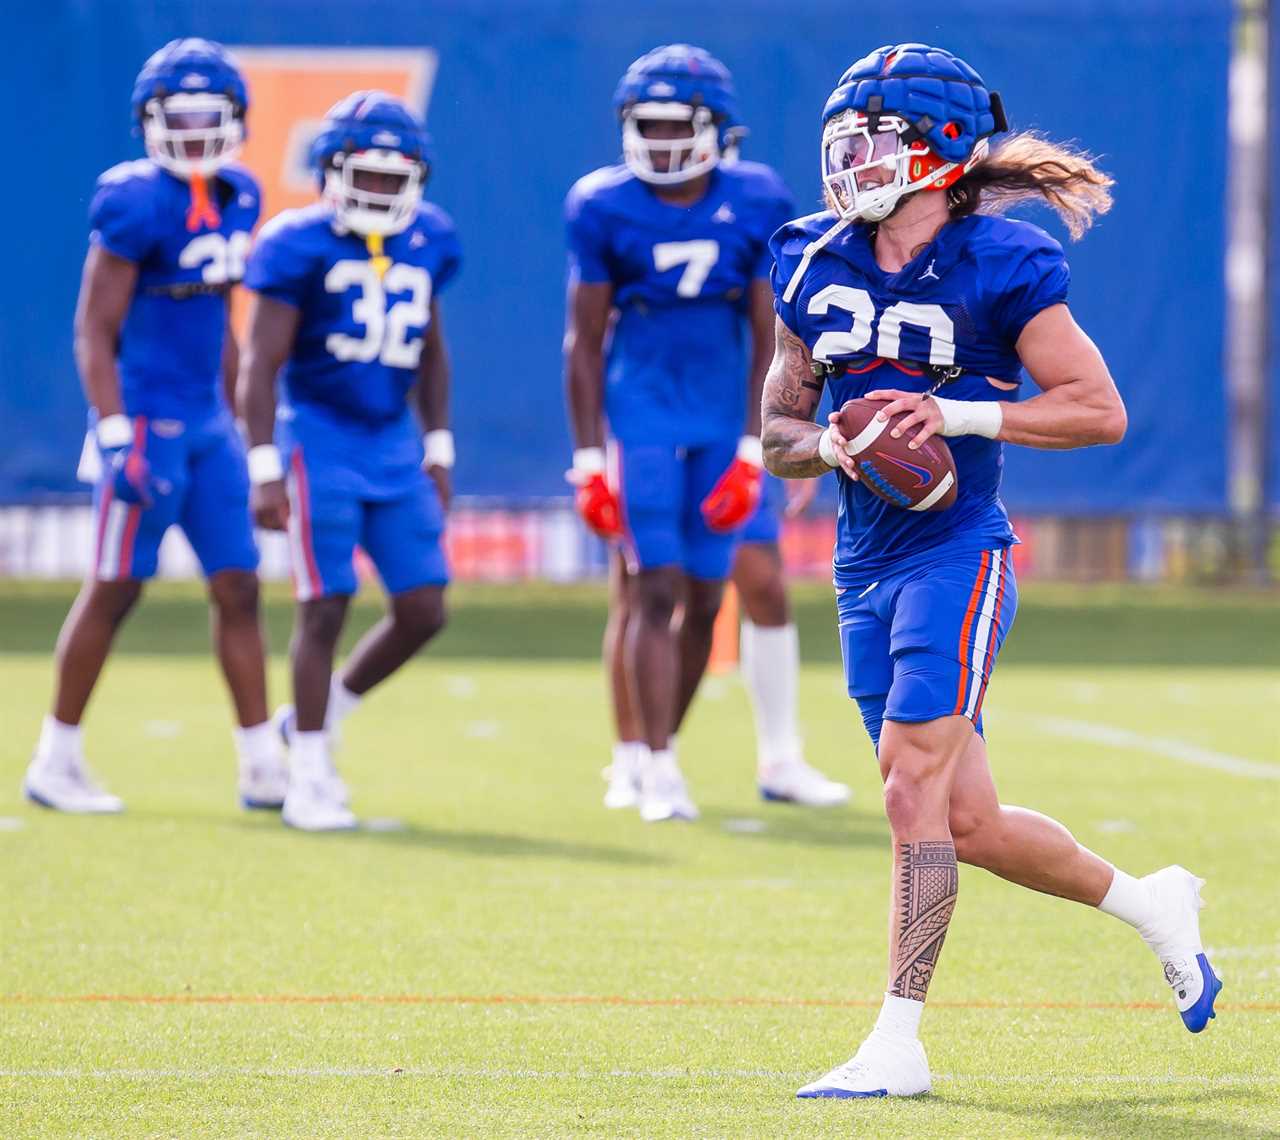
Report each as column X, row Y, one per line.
column 900, row 290
column 169, row 239
column 769, row 662
column 345, row 307
column 667, row 262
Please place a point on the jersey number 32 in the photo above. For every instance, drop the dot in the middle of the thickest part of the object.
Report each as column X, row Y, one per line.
column 392, row 335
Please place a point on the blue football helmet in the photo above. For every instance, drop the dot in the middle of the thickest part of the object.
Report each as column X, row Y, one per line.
column 915, row 111
column 372, row 159
column 677, row 83
column 189, row 102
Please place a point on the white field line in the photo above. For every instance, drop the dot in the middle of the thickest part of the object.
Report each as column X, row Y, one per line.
column 470, row 1072
column 1165, row 746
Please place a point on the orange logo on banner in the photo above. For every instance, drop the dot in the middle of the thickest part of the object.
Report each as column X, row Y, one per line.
column 290, row 89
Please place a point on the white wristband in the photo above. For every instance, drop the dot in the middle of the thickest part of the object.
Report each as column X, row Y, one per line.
column 826, row 449
column 970, row 417
column 265, row 465
column 750, row 450
column 438, row 447
column 589, row 461
column 114, row 431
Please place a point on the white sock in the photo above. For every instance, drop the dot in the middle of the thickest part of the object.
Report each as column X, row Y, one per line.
column 627, row 754
column 309, row 752
column 771, row 672
column 257, row 744
column 900, row 1017
column 1128, row 900
column 58, row 741
column 342, row 702
column 663, row 758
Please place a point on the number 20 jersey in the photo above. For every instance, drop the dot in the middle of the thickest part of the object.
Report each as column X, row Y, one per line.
column 960, row 304
column 677, row 362
column 359, row 339
column 170, row 353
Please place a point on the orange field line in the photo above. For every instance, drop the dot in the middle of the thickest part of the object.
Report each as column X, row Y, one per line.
column 580, row 999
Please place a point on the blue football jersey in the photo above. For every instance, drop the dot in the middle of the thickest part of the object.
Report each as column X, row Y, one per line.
column 359, row 339
column 170, row 354
column 958, row 307
column 677, row 358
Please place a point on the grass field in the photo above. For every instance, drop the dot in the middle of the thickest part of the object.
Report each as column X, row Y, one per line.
column 505, row 958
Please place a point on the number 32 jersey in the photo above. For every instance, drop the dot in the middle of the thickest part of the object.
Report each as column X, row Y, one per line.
column 950, row 318
column 170, row 353
column 359, row 339
column 677, row 363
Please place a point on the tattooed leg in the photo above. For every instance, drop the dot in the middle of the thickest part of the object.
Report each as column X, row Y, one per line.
column 926, row 883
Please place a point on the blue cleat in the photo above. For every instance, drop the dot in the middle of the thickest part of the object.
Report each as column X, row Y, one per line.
column 1175, row 936
column 1195, row 988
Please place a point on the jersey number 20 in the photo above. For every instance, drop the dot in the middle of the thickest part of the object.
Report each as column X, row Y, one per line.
column 857, row 303
column 386, row 331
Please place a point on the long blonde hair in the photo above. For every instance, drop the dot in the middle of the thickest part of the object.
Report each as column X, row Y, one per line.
column 1028, row 166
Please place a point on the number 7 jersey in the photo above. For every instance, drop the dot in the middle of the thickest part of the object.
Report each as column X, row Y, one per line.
column 677, row 367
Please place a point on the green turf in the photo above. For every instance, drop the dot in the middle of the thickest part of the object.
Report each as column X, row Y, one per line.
column 509, row 880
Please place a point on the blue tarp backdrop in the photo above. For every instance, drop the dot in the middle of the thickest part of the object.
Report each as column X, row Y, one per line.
column 520, row 108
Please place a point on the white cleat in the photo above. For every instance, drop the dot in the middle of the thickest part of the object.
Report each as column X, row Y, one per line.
column 1174, row 934
column 317, row 800
column 285, row 720
column 263, row 787
column 663, row 794
column 795, row 782
column 67, row 785
column 624, row 786
column 883, row 1066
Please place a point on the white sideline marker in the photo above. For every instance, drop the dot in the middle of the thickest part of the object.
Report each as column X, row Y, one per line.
column 1157, row 745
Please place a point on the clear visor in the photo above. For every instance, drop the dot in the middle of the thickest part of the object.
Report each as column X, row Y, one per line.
column 857, row 161
column 192, row 133
column 375, row 191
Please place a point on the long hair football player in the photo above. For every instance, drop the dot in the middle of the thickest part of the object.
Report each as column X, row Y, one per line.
column 908, row 285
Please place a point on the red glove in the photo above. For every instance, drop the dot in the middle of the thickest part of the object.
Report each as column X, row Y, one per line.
column 594, row 499
column 598, row 506
column 737, row 494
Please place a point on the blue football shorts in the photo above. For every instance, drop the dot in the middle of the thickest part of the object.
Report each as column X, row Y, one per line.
column 765, row 526
column 200, row 483
column 402, row 534
column 921, row 644
column 660, row 488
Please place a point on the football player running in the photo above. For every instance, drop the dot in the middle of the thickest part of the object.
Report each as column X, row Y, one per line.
column 669, row 334
column 904, row 290
column 169, row 237
column 345, row 308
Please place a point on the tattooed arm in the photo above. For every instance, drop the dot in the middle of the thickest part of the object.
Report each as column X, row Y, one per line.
column 791, row 395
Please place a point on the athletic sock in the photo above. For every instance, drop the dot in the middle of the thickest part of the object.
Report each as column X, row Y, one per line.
column 627, row 754
column 900, row 1018
column 342, row 702
column 58, row 741
column 1129, row 900
column 771, row 671
column 309, row 752
column 257, row 744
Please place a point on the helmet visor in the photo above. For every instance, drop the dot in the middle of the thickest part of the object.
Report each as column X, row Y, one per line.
column 192, row 134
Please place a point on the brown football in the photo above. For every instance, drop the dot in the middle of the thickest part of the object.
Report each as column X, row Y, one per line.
column 920, row 480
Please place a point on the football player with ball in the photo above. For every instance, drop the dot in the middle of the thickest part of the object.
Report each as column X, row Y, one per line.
column 920, row 310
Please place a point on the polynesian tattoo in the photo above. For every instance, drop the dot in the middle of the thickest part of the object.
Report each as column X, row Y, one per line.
column 791, row 395
column 927, row 884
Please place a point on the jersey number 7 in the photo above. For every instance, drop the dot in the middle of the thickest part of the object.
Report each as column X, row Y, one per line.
column 697, row 257
column 387, row 335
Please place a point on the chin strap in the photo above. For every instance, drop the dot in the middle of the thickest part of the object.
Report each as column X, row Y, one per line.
column 202, row 211
column 380, row 261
